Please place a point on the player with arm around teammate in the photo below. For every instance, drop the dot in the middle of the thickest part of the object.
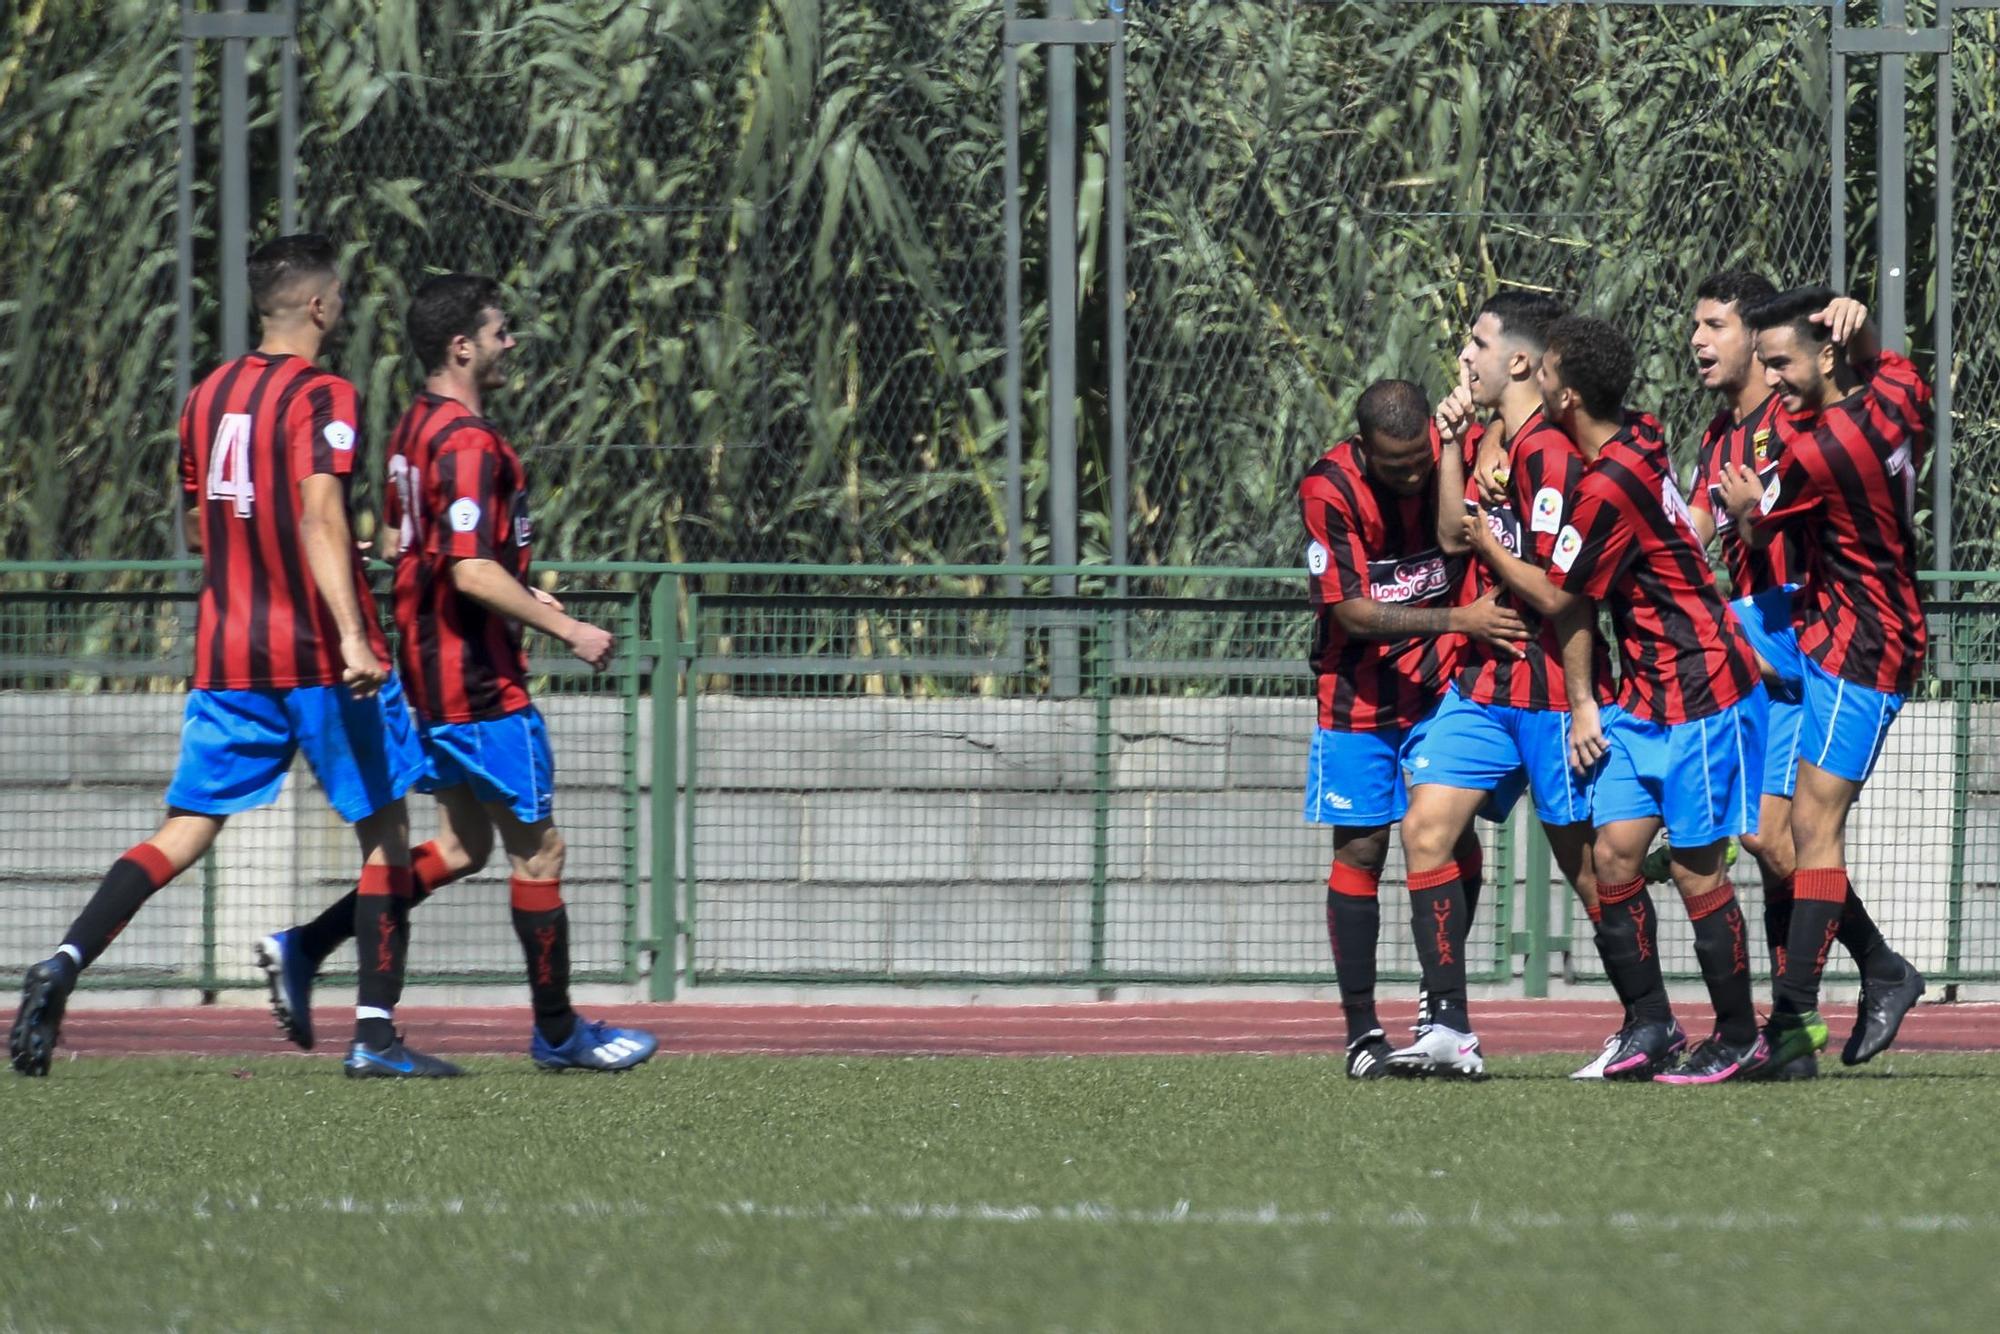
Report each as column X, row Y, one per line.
column 1754, row 431
column 1683, row 745
column 1504, row 723
column 457, row 503
column 1387, row 638
column 289, row 657
column 1850, row 489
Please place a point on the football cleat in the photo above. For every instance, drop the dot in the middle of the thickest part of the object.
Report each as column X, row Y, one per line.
column 1368, row 1055
column 1423, row 1013
column 1439, row 1051
column 1595, row 1069
column 31, row 1043
column 1644, row 1048
column 1792, row 1037
column 594, row 1047
column 1883, row 1005
column 395, row 1061
column 1714, row 1061
column 289, row 975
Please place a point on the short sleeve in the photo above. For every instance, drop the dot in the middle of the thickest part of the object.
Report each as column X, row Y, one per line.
column 1543, row 486
column 190, row 479
column 1596, row 544
column 1793, row 492
column 1336, row 562
column 467, row 491
column 1705, row 461
column 322, row 428
column 1899, row 387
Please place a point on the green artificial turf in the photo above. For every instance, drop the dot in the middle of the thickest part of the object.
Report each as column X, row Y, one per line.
column 1216, row 1192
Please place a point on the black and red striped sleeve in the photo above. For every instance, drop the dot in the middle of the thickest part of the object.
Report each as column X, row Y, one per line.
column 1336, row 561
column 1595, row 546
column 323, row 428
column 475, row 518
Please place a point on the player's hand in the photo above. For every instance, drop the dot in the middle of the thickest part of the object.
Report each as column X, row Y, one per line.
column 547, row 599
column 1843, row 317
column 1586, row 737
column 1479, row 535
column 591, row 644
column 1742, row 490
column 1489, row 623
column 363, row 673
column 1454, row 416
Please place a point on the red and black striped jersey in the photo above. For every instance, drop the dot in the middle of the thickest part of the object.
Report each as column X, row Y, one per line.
column 456, row 492
column 250, row 433
column 1364, row 540
column 1850, row 490
column 1756, row 442
column 1543, row 469
column 1631, row 542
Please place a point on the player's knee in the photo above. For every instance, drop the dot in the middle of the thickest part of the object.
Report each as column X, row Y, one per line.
column 1365, row 850
column 469, row 855
column 546, row 861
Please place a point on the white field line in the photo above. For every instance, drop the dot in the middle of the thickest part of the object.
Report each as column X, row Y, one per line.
column 1495, row 1222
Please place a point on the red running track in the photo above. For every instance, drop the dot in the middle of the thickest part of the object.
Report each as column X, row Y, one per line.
column 1507, row 1028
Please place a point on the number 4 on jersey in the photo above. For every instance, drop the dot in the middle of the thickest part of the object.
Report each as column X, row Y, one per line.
column 229, row 463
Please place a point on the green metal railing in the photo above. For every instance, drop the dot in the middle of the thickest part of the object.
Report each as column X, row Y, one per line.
column 898, row 774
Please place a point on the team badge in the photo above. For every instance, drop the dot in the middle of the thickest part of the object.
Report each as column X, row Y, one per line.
column 340, row 435
column 1760, row 445
column 464, row 514
column 1547, row 515
column 1567, row 547
column 1316, row 559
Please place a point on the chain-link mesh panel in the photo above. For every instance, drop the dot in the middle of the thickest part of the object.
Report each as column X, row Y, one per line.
column 894, row 790
column 1323, row 193
column 757, row 258
column 1975, row 455
column 92, row 688
column 87, row 189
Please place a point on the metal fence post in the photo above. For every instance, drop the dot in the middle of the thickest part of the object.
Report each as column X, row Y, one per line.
column 233, row 228
column 663, row 800
column 1942, row 555
column 1062, row 260
column 690, row 900
column 1892, row 196
column 1100, row 786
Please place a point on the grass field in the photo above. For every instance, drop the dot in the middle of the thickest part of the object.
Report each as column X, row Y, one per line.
column 1235, row 1192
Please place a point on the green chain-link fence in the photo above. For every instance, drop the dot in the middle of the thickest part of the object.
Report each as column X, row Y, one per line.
column 896, row 787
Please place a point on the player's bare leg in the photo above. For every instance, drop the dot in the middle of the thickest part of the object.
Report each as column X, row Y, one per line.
column 134, row 878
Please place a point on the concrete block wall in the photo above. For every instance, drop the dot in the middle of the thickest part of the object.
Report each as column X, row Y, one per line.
column 880, row 835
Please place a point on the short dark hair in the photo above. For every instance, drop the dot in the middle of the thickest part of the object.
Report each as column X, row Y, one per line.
column 446, row 307
column 1741, row 288
column 276, row 265
column 1524, row 316
column 1597, row 363
column 1796, row 308
column 1393, row 409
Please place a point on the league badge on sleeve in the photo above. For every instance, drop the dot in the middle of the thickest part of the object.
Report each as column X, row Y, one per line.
column 339, row 435
column 1568, row 545
column 464, row 514
column 1316, row 559
column 1770, row 500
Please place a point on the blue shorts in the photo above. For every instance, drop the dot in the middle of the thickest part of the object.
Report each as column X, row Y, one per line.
column 1844, row 724
column 1355, row 779
column 1499, row 749
column 236, row 746
column 1700, row 777
column 505, row 760
column 1766, row 619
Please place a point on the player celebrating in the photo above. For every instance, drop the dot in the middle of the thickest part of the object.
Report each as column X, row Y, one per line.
column 1850, row 489
column 289, row 656
column 1753, row 430
column 457, row 502
column 1504, row 722
column 1386, row 642
column 1684, row 744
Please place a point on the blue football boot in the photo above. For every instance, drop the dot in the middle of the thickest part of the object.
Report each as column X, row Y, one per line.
column 593, row 1046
